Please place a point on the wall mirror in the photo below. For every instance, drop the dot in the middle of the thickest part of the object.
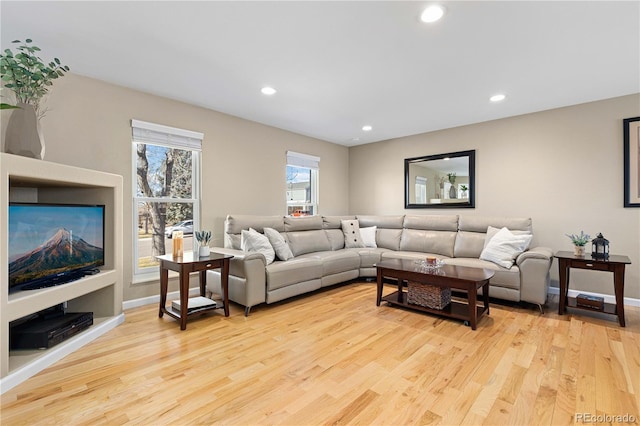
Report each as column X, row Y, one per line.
column 440, row 181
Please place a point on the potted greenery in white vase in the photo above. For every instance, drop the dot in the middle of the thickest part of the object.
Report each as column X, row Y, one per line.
column 29, row 78
column 203, row 238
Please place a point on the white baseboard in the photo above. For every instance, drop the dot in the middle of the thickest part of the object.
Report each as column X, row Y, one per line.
column 53, row 355
column 195, row 292
column 608, row 298
column 174, row 295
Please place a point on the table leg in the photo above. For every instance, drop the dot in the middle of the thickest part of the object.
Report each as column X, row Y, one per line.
column 485, row 296
column 164, row 283
column 203, row 283
column 225, row 286
column 379, row 287
column 618, row 286
column 563, row 282
column 472, row 294
column 184, row 298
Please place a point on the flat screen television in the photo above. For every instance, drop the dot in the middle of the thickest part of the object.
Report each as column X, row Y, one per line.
column 52, row 244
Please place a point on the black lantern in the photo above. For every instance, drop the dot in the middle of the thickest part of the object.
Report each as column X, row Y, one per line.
column 600, row 247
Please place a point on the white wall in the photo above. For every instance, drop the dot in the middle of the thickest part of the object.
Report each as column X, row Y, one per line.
column 563, row 168
column 243, row 162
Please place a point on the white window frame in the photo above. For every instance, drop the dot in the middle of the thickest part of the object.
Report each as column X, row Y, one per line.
column 171, row 137
column 311, row 162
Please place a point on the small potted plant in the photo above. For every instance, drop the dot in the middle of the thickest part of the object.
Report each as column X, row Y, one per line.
column 203, row 238
column 579, row 241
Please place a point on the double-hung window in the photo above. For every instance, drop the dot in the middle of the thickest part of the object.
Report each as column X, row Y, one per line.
column 302, row 184
column 166, row 188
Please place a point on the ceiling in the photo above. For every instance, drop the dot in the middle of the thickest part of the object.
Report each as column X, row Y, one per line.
column 338, row 66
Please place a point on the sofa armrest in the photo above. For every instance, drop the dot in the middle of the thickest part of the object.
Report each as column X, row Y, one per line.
column 535, row 265
column 240, row 256
column 247, row 277
column 535, row 253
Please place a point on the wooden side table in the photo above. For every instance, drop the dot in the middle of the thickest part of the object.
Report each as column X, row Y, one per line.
column 184, row 265
column 614, row 263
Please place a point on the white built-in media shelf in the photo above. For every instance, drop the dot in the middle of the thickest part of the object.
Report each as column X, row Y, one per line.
column 100, row 294
column 38, row 300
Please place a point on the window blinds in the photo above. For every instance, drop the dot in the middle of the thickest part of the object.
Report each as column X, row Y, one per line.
column 171, row 137
column 303, row 160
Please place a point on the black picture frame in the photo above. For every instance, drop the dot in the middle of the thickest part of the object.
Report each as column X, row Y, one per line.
column 468, row 202
column 631, row 129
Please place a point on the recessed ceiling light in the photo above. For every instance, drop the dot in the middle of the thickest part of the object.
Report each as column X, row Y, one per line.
column 432, row 13
column 367, row 128
column 268, row 90
column 497, row 98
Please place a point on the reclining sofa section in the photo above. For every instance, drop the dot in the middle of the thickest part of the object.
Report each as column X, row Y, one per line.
column 321, row 259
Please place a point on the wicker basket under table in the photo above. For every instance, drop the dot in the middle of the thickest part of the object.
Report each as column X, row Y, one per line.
column 430, row 296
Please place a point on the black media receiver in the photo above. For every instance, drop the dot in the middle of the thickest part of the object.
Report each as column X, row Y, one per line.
column 43, row 333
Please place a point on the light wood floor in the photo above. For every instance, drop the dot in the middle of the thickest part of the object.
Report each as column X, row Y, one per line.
column 334, row 357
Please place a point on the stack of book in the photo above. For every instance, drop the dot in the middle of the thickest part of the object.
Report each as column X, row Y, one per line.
column 591, row 302
column 195, row 304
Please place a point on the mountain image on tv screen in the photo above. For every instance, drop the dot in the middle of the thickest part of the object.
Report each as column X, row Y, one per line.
column 51, row 240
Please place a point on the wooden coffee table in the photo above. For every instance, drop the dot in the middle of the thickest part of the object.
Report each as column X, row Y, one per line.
column 460, row 278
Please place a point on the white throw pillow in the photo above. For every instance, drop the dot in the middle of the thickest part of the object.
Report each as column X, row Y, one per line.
column 369, row 236
column 351, row 231
column 255, row 242
column 503, row 248
column 279, row 244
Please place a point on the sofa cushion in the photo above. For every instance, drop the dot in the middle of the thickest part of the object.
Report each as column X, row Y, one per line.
column 504, row 247
column 336, row 238
column 437, row 242
column 432, row 222
column 351, row 231
column 335, row 262
column 411, row 255
column 469, row 244
column 279, row 244
column 334, row 222
column 305, row 223
column 234, row 224
column 509, row 278
column 294, row 271
column 254, row 242
column 302, row 242
column 388, row 238
column 370, row 256
column 388, row 222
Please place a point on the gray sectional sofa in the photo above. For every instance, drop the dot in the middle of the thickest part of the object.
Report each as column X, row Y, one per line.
column 321, row 259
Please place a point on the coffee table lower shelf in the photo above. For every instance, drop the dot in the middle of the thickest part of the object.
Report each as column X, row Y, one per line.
column 456, row 309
